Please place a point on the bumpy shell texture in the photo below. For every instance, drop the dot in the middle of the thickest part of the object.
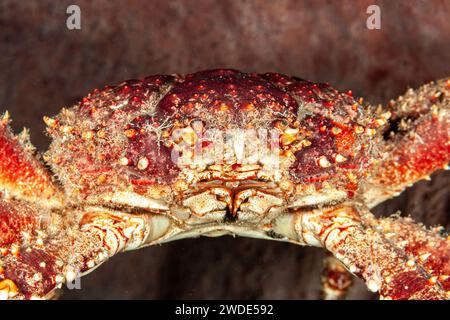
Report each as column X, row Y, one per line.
column 117, row 138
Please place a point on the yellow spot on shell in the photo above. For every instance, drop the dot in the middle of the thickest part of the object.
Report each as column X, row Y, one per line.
column 306, row 143
column 224, row 107
column 143, row 163
column 433, row 280
column 336, row 130
column 101, row 178
column 124, row 161
column 15, row 251
column 249, row 107
column 37, row 277
column 101, row 134
column 287, row 139
column 339, row 158
column 410, row 263
column 130, row 133
column 180, row 185
column 370, row 131
column 424, row 256
column 351, row 176
column 50, row 122
column 90, row 263
column 66, row 129
column 359, row 129
column 87, row 135
column 323, row 162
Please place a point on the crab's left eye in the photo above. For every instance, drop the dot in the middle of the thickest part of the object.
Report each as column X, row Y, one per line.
column 131, row 201
column 320, row 199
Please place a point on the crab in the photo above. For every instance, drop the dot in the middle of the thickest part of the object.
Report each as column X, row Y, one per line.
column 221, row 152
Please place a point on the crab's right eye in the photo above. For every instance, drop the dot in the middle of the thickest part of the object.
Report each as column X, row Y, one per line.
column 129, row 202
column 319, row 199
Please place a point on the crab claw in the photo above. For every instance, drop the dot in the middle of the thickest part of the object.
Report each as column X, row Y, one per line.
column 21, row 174
column 417, row 140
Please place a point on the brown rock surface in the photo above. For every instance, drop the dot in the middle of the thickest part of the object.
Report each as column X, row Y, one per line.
column 45, row 66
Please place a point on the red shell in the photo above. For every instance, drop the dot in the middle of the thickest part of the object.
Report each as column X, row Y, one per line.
column 99, row 142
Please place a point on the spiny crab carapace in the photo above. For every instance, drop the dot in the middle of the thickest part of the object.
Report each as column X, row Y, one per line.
column 223, row 152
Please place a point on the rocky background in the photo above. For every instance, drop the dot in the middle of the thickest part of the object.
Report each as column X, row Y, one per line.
column 44, row 66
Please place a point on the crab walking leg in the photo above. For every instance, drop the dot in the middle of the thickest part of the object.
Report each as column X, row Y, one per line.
column 428, row 248
column 33, row 250
column 417, row 141
column 336, row 280
column 38, row 252
column 367, row 253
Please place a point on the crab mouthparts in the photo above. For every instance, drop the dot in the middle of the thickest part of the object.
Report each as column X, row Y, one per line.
column 243, row 201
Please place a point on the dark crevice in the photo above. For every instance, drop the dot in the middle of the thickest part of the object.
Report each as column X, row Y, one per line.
column 395, row 127
column 229, row 217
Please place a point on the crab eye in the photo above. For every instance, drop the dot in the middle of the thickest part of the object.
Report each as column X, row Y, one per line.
column 322, row 199
column 130, row 202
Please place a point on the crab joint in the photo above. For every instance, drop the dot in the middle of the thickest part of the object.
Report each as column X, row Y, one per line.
column 121, row 232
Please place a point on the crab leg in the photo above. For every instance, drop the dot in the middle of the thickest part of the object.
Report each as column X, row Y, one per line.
column 24, row 185
column 417, row 140
column 39, row 248
column 336, row 280
column 38, row 254
column 428, row 248
column 360, row 242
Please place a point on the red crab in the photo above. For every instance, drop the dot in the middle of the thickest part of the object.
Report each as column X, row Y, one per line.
column 223, row 152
